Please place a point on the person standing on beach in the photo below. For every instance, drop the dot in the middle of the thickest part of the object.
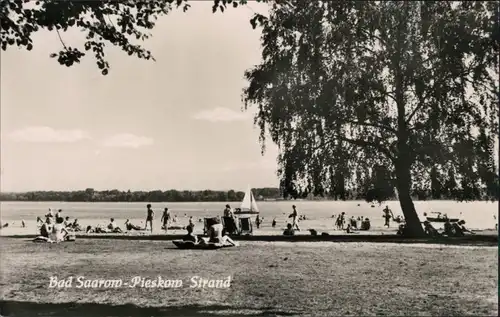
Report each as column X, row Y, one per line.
column 165, row 218
column 257, row 221
column 227, row 211
column 387, row 215
column 340, row 221
column 149, row 218
column 294, row 216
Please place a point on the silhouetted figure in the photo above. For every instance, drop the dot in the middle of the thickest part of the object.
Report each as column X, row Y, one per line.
column 149, row 218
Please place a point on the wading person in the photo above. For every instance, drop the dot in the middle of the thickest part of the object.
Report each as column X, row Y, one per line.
column 149, row 218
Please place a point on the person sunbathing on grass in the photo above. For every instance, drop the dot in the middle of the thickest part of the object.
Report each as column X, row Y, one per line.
column 349, row 229
column 113, row 227
column 190, row 236
column 215, row 235
column 67, row 222
column 129, row 226
column 59, row 232
column 97, row 229
column 460, row 229
column 46, row 228
column 448, row 229
column 365, row 224
column 76, row 226
column 289, row 230
column 430, row 230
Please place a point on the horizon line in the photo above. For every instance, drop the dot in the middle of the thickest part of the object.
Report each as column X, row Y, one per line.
column 135, row 190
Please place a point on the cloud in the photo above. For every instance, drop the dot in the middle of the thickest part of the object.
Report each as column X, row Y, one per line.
column 127, row 140
column 220, row 114
column 42, row 134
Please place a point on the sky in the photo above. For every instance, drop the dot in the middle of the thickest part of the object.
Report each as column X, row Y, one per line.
column 176, row 123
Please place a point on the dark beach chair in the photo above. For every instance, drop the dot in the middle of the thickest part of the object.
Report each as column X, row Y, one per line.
column 230, row 225
column 208, row 222
column 245, row 225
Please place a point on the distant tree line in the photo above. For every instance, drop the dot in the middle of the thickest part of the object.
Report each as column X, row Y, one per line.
column 379, row 185
column 91, row 195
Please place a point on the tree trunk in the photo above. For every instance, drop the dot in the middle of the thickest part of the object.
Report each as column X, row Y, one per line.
column 403, row 183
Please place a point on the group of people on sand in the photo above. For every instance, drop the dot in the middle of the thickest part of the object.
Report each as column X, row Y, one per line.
column 215, row 234
column 351, row 224
column 450, row 229
column 228, row 213
column 56, row 229
column 112, row 227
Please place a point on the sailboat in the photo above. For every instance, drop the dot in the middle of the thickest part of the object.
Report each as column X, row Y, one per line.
column 248, row 205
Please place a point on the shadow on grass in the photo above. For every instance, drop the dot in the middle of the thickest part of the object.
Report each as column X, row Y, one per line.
column 30, row 309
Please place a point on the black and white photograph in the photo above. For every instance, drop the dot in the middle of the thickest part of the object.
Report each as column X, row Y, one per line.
column 210, row 158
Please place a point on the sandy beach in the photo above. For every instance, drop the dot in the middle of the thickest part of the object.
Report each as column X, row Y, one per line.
column 478, row 215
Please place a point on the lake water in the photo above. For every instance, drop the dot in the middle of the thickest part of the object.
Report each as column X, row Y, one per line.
column 478, row 215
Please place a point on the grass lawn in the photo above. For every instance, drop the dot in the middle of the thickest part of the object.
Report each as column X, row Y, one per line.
column 268, row 279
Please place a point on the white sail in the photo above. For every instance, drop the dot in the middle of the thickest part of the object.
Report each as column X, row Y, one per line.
column 249, row 203
column 254, row 203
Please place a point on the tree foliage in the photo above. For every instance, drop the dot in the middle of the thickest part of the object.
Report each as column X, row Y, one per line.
column 380, row 93
column 104, row 22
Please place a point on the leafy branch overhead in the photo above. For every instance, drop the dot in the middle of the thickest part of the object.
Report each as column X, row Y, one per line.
column 105, row 22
